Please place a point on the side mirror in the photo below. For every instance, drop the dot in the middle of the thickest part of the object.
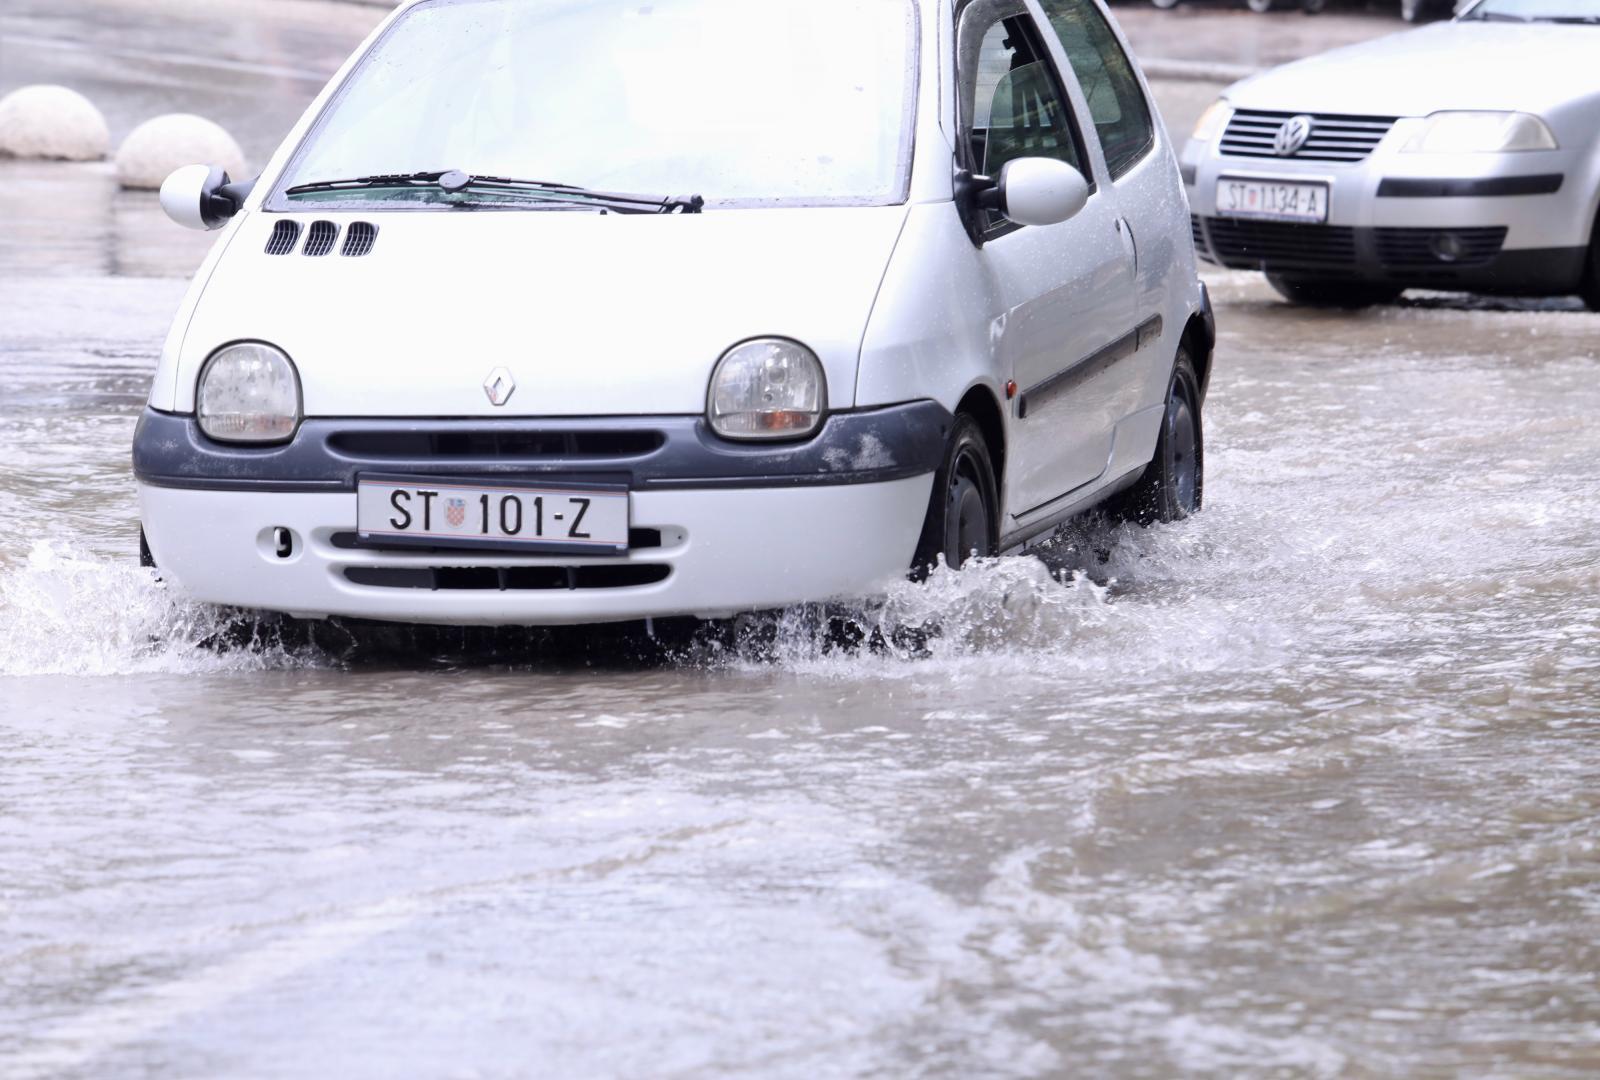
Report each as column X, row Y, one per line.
column 1036, row 191
column 202, row 196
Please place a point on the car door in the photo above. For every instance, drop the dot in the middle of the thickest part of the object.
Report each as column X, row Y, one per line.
column 1142, row 180
column 1063, row 291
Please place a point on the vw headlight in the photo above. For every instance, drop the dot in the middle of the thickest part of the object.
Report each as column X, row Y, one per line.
column 769, row 388
column 1213, row 120
column 249, row 393
column 1481, row 133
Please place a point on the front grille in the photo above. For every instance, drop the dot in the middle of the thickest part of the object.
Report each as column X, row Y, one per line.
column 1421, row 248
column 509, row 578
column 1245, row 245
column 488, row 444
column 284, row 235
column 638, row 540
column 320, row 238
column 1197, row 227
column 1345, row 139
column 358, row 239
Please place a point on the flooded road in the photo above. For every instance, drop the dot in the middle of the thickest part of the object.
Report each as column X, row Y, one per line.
column 1306, row 786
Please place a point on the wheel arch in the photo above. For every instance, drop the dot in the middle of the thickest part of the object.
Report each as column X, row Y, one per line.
column 980, row 403
column 1200, row 337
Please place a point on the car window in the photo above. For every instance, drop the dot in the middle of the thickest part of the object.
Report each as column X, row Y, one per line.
column 1012, row 103
column 1116, row 103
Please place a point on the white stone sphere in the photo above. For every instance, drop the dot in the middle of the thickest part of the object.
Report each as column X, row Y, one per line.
column 52, row 122
column 156, row 147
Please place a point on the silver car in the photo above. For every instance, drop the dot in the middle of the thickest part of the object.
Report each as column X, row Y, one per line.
column 889, row 282
column 1461, row 156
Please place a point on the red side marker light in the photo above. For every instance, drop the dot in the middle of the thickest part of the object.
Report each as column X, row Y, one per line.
column 1011, row 389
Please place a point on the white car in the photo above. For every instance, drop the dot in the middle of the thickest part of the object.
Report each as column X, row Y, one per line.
column 556, row 312
column 1465, row 155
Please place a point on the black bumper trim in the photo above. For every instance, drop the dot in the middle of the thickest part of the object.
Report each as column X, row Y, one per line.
column 858, row 447
column 1342, row 253
column 1489, row 187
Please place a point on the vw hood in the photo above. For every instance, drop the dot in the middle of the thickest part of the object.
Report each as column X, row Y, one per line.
column 1456, row 65
column 592, row 314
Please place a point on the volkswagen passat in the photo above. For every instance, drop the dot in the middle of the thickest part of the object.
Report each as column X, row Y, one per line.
column 1465, row 155
column 554, row 312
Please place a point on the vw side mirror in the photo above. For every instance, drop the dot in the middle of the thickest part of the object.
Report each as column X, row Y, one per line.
column 1036, row 191
column 203, row 196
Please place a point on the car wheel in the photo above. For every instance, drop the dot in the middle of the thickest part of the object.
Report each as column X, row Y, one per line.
column 1173, row 486
column 1590, row 288
column 964, row 510
column 1313, row 292
column 1261, row 7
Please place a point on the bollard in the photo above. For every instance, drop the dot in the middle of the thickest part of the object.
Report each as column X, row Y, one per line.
column 156, row 147
column 53, row 123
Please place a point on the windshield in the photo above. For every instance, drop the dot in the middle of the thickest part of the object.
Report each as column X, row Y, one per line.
column 741, row 101
column 1571, row 11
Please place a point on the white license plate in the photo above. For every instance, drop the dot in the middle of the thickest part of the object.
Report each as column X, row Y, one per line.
column 590, row 518
column 1272, row 200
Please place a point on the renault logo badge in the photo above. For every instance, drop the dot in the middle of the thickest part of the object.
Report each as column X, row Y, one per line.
column 1291, row 137
column 499, row 386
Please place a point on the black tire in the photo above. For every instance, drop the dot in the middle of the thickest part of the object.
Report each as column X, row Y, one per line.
column 1589, row 288
column 1349, row 295
column 964, row 509
column 1173, row 486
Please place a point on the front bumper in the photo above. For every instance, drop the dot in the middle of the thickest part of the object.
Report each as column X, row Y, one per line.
column 1514, row 223
column 717, row 528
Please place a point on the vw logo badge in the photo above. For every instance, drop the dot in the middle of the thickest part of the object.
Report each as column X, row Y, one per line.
column 1292, row 136
column 499, row 386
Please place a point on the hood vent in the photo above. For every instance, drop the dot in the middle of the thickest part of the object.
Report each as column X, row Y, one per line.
column 320, row 238
column 284, row 235
column 359, row 238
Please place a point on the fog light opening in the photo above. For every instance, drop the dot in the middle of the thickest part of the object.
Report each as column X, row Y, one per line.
column 1447, row 247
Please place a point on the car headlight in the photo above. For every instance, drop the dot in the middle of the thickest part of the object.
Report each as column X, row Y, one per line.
column 769, row 388
column 248, row 393
column 1213, row 120
column 1481, row 133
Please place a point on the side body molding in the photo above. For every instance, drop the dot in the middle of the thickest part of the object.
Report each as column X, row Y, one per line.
column 1065, row 380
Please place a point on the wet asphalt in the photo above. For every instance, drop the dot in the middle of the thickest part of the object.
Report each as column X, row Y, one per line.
column 1305, row 786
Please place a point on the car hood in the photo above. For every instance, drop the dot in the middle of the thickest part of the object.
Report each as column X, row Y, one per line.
column 1456, row 65
column 592, row 314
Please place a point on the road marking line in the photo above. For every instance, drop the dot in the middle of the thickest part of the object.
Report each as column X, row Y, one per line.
column 74, row 1043
column 243, row 66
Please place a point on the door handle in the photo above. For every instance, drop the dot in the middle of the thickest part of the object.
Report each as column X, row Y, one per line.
column 1125, row 231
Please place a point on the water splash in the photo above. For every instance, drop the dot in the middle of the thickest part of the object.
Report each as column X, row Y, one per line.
column 65, row 612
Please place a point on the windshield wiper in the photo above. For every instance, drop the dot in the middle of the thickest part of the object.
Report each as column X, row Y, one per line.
column 454, row 181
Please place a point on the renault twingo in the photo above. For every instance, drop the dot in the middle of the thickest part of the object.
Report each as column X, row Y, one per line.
column 566, row 311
